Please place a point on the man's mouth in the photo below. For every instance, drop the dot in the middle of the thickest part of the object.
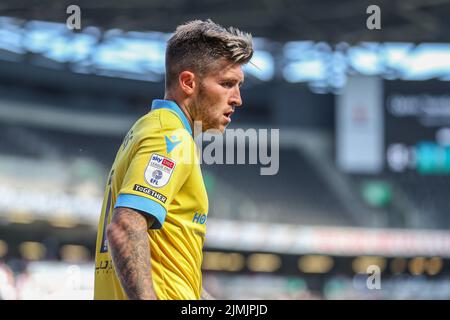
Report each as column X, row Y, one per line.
column 227, row 115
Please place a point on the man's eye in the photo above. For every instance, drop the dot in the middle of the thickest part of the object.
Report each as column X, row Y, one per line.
column 227, row 84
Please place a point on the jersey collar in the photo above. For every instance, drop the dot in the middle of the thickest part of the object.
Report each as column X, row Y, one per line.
column 171, row 105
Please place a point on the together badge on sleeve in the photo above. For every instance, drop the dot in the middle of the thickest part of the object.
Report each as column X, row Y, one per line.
column 159, row 170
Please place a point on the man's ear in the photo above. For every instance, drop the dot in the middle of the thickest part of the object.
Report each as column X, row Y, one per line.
column 187, row 81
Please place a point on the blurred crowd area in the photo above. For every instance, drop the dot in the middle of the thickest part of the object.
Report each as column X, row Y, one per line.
column 363, row 157
column 343, row 287
column 48, row 280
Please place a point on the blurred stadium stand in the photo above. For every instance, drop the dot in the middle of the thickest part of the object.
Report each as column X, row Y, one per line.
column 65, row 107
column 296, row 194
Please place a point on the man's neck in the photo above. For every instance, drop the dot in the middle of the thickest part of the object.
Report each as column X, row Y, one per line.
column 183, row 108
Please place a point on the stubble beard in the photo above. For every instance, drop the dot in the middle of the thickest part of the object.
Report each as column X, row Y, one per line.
column 203, row 110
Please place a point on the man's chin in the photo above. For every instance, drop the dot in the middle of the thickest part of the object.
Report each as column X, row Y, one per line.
column 218, row 129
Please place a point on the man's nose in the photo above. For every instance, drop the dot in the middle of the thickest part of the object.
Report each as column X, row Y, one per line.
column 236, row 100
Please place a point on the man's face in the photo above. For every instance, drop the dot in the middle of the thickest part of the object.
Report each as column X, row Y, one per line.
column 217, row 96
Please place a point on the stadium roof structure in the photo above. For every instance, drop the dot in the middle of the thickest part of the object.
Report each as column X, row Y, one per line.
column 278, row 20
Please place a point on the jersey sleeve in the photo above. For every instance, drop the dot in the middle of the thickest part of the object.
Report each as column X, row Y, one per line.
column 160, row 166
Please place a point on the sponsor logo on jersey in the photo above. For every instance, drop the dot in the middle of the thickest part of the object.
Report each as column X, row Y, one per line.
column 199, row 218
column 159, row 170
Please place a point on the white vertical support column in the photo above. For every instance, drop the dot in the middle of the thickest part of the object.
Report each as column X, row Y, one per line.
column 360, row 126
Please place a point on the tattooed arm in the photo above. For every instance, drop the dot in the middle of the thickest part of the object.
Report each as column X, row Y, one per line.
column 130, row 252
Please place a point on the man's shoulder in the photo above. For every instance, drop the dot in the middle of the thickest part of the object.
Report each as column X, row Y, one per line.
column 169, row 119
column 160, row 118
column 160, row 122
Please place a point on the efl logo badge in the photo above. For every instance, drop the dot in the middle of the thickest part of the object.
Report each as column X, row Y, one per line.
column 159, row 170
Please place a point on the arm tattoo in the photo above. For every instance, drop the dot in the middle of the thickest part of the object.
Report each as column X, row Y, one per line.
column 130, row 251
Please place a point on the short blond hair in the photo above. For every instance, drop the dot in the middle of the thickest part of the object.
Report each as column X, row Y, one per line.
column 198, row 45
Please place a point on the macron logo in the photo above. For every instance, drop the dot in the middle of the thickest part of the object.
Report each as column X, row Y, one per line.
column 171, row 144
